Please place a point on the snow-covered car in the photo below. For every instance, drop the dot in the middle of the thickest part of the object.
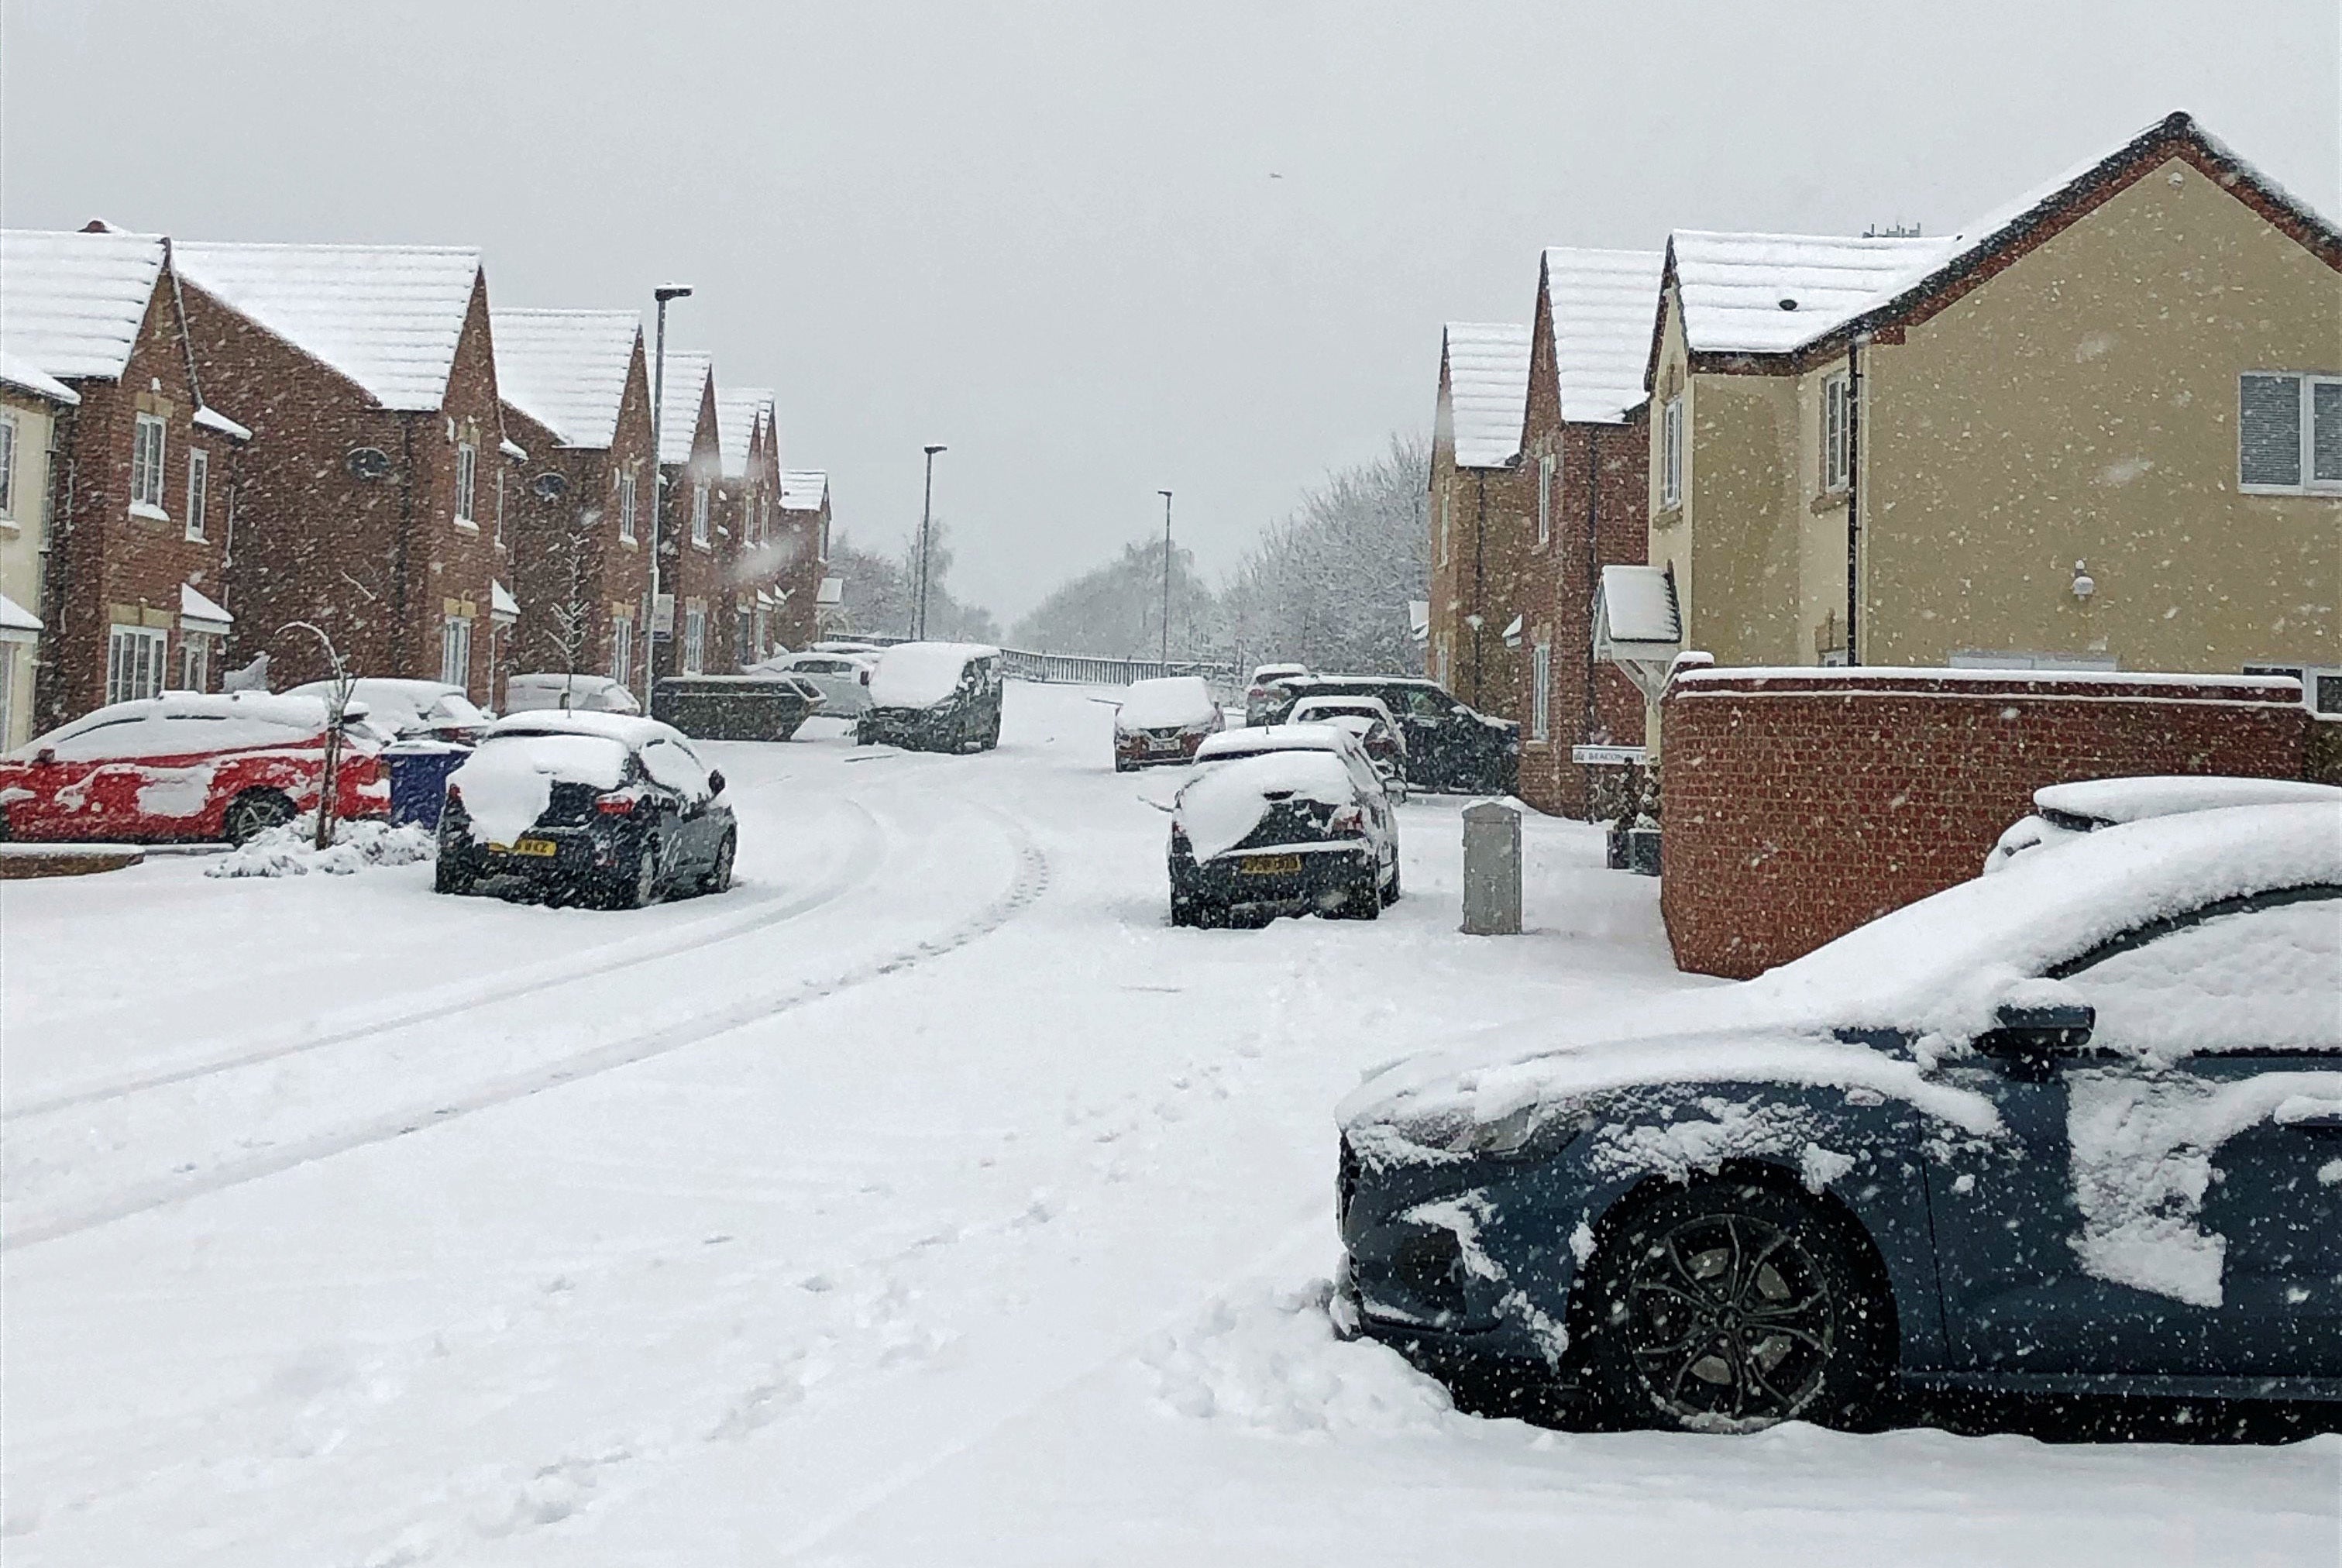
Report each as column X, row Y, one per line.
column 1253, row 741
column 604, row 809
column 1163, row 720
column 2062, row 813
column 1261, row 695
column 2070, row 1129
column 1375, row 726
column 188, row 765
column 842, row 679
column 933, row 696
column 847, row 645
column 1450, row 746
column 408, row 710
column 536, row 693
column 1286, row 831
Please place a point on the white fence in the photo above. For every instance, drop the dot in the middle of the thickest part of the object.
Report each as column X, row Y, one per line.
column 1076, row 669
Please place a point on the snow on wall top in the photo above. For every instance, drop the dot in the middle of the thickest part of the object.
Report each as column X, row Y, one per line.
column 1603, row 304
column 25, row 376
column 70, row 303
column 566, row 369
column 1770, row 294
column 386, row 316
column 687, row 386
column 804, row 490
column 739, row 410
column 1488, row 390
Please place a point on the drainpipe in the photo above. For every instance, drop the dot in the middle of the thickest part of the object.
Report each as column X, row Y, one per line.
column 1593, row 575
column 1853, row 497
column 56, row 570
column 1479, row 576
column 405, row 527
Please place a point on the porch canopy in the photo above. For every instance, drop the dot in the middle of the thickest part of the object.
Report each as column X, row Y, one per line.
column 1637, row 625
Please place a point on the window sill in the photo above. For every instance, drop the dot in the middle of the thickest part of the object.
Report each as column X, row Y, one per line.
column 1667, row 516
column 10, row 527
column 467, row 525
column 2327, row 492
column 625, row 543
column 703, row 546
column 194, row 538
column 1827, row 501
column 141, row 509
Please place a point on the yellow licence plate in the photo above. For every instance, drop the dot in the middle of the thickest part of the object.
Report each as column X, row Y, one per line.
column 1269, row 864
column 537, row 846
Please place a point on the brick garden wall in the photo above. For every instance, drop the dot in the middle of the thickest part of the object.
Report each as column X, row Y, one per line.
column 1800, row 804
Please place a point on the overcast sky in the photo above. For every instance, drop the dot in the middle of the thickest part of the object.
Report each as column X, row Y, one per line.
column 1049, row 235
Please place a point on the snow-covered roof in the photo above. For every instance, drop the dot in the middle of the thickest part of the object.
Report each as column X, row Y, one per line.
column 513, row 449
column 1769, row 293
column 739, row 411
column 25, row 376
column 1603, row 304
column 830, row 592
column 212, row 419
column 70, row 301
column 502, row 605
column 686, row 387
column 1488, row 391
column 386, row 316
column 201, row 613
column 804, row 490
column 566, row 369
column 1637, row 605
column 15, row 618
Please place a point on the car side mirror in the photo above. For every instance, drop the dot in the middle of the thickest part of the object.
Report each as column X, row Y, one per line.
column 714, row 782
column 2027, row 1040
column 1461, row 711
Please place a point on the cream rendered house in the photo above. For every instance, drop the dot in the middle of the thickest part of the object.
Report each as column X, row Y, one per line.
column 29, row 401
column 2099, row 430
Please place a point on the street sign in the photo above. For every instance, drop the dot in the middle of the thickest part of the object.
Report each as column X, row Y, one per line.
column 1608, row 756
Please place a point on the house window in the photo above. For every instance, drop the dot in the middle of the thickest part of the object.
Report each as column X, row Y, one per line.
column 626, row 507
column 1671, row 454
column 1541, row 692
column 622, row 649
column 455, row 651
column 134, row 661
column 700, row 514
column 194, row 662
column 199, row 486
column 1443, row 524
column 2289, row 433
column 2321, row 688
column 7, row 464
column 147, row 462
column 500, row 503
column 1838, row 435
column 695, row 639
column 7, row 695
column 468, row 467
column 1544, row 500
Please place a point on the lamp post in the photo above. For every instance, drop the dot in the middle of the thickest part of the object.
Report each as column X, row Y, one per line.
column 1166, row 580
column 662, row 292
column 926, row 516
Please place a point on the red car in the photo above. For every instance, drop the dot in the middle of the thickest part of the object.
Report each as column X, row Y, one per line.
column 1164, row 721
column 186, row 765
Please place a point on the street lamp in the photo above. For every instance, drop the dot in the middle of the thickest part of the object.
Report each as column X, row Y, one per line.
column 1167, row 579
column 926, row 514
column 662, row 292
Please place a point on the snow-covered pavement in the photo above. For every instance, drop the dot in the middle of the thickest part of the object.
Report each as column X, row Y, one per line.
column 925, row 1200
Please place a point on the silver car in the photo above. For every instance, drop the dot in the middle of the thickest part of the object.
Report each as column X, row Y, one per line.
column 842, row 679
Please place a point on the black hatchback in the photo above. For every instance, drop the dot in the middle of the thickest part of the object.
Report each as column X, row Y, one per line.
column 601, row 809
column 1450, row 745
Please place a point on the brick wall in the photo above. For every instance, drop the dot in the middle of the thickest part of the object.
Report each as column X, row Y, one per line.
column 1800, row 804
column 693, row 572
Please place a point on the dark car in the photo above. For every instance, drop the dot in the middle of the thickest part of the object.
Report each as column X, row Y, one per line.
column 1450, row 746
column 752, row 707
column 2074, row 1128
column 933, row 696
column 1288, row 830
column 602, row 809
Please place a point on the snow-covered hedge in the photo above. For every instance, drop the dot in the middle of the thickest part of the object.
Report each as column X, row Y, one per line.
column 291, row 850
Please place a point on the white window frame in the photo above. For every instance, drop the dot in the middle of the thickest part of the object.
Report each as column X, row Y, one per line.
column 2306, row 672
column 2306, row 385
column 1671, row 452
column 7, row 471
column 1545, row 471
column 699, row 510
column 622, row 649
column 1838, row 429
column 199, row 486
column 626, row 506
column 195, row 661
column 455, row 651
column 467, row 478
column 135, row 660
column 1541, row 692
column 149, row 444
column 1446, row 493
column 500, row 503
column 695, row 638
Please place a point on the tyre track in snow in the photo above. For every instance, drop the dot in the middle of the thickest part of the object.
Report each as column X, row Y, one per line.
column 1027, row 883
column 592, row 962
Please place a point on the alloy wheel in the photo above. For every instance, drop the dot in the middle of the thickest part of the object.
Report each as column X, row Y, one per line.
column 1731, row 1321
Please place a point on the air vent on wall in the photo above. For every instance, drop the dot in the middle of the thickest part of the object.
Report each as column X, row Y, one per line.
column 369, row 463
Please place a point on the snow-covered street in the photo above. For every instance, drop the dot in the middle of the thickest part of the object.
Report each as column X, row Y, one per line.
column 924, row 1199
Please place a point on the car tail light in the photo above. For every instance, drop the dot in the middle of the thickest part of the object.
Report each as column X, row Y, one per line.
column 614, row 804
column 1349, row 819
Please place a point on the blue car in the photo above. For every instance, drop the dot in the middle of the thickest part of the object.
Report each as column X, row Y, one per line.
column 2072, row 1128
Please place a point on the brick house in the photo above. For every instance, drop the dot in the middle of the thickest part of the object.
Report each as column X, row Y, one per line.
column 142, row 493
column 577, row 394
column 691, row 460
column 803, row 558
column 30, row 402
column 2099, row 430
column 373, row 498
column 1584, row 443
column 1481, row 501
column 746, row 499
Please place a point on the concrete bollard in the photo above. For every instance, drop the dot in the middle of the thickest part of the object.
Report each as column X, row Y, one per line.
column 1492, row 870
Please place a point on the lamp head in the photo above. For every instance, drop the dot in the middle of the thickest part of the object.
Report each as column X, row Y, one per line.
column 932, row 450
column 667, row 291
